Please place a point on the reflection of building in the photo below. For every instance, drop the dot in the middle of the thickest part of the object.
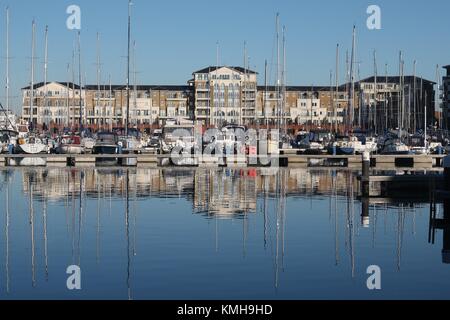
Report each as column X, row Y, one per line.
column 223, row 192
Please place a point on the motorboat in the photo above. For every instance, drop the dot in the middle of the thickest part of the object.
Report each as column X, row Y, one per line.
column 180, row 142
column 315, row 142
column 394, row 146
column 343, row 145
column 106, row 144
column 70, row 144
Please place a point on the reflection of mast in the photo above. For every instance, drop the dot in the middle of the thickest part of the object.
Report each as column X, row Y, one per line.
column 280, row 193
column 44, row 218
column 350, row 219
column 127, row 224
column 400, row 227
column 336, row 217
column 98, row 220
column 7, row 236
column 266, row 194
column 33, row 275
column 80, row 217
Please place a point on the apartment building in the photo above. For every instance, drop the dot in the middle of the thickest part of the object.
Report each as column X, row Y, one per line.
column 225, row 95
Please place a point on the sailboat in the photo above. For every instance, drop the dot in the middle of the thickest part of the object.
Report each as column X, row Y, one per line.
column 131, row 140
column 31, row 144
column 8, row 129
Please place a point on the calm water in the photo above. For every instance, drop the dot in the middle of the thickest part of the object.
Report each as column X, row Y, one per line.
column 209, row 234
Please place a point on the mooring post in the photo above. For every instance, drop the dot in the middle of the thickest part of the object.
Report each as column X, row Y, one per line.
column 365, row 214
column 446, row 166
column 365, row 179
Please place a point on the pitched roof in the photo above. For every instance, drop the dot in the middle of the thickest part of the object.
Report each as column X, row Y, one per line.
column 238, row 69
column 41, row 84
column 396, row 79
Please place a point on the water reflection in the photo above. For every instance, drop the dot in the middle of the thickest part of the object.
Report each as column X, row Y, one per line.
column 290, row 216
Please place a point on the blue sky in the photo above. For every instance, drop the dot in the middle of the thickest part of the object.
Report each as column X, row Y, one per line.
column 175, row 38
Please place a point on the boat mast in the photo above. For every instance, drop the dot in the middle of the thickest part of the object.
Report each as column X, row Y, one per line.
column 284, row 118
column 218, row 108
column 73, row 87
column 128, row 68
column 265, row 94
column 33, row 27
column 7, row 61
column 415, row 96
column 352, row 79
column 245, row 80
column 110, row 104
column 68, row 95
column 386, row 102
column 45, row 75
column 134, row 78
column 98, row 74
column 80, row 81
column 375, row 69
column 337, row 89
column 278, row 70
column 425, row 116
column 400, row 98
column 437, row 104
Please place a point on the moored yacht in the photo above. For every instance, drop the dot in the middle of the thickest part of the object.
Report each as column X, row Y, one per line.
column 31, row 145
column 106, row 144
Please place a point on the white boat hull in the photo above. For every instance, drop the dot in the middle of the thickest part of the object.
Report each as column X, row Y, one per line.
column 72, row 149
column 33, row 148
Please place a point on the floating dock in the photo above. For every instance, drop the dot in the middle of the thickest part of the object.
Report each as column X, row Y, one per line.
column 286, row 158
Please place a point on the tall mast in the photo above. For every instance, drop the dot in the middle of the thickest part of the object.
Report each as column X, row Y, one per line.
column 437, row 104
column 110, row 104
column 128, row 68
column 415, row 96
column 386, row 102
column 80, row 81
column 33, row 27
column 337, row 89
column 68, row 96
column 347, row 88
column 73, row 85
column 425, row 124
column 375, row 69
column 98, row 74
column 331, row 96
column 400, row 98
column 352, row 78
column 244, row 95
column 284, row 82
column 265, row 93
column 278, row 70
column 218, row 108
column 134, row 77
column 45, row 74
column 7, row 61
